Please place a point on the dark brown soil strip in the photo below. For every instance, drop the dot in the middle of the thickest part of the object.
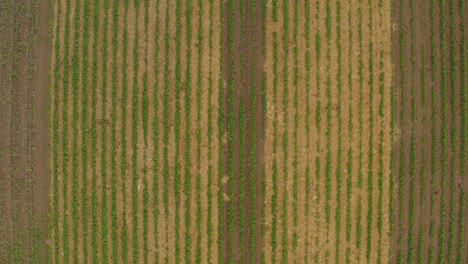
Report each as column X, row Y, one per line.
column 25, row 174
column 243, row 127
column 427, row 148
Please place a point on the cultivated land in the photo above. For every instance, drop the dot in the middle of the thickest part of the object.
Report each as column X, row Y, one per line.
column 327, row 143
column 246, row 131
column 134, row 111
column 23, row 131
column 430, row 116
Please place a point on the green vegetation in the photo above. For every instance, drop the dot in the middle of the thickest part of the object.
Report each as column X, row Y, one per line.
column 65, row 145
column 156, row 134
column 339, row 176
column 188, row 127
column 308, row 66
column 114, row 88
column 178, row 87
column 285, row 103
column 55, row 137
column 135, row 102
column 349, row 165
column 274, row 197
column 84, row 129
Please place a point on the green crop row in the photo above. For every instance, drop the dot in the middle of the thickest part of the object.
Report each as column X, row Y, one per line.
column 114, row 88
column 370, row 172
column 308, row 67
column 402, row 163
column 274, row 197
column 178, row 86
column 145, row 121
column 318, row 118
column 199, row 132
column 135, row 92
column 123, row 165
column 433, row 127
column 339, row 176
column 166, row 129
column 349, row 165
column 210, row 138
column 453, row 129
column 443, row 96
column 361, row 90
column 230, row 122
column 75, row 94
column 156, row 135
column 188, row 109
column 412, row 162
column 84, row 120
column 221, row 134
column 284, row 221
column 65, row 145
column 296, row 126
column 464, row 137
column 253, row 140
column 54, row 110
column 380, row 174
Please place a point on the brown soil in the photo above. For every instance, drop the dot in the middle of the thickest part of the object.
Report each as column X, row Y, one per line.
column 434, row 182
column 24, row 173
column 248, row 44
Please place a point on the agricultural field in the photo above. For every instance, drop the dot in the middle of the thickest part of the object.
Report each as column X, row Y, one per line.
column 243, row 131
column 24, row 170
column 430, row 132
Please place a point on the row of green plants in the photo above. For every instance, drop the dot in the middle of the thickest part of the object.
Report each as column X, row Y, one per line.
column 188, row 128
column 349, row 165
column 84, row 121
column 412, row 161
column 123, row 135
column 464, row 137
column 434, row 136
column 402, row 160
column 274, row 197
column 210, row 128
column 178, row 86
column 339, row 176
column 308, row 86
column 200, row 51
column 453, row 135
column 135, row 127
column 221, row 137
column 54, row 110
column 114, row 88
column 145, row 121
column 253, row 138
column 360, row 120
column 296, row 128
column 166, row 128
column 444, row 132
column 370, row 169
column 285, row 104
column 65, row 144
column 156, row 135
column 318, row 122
